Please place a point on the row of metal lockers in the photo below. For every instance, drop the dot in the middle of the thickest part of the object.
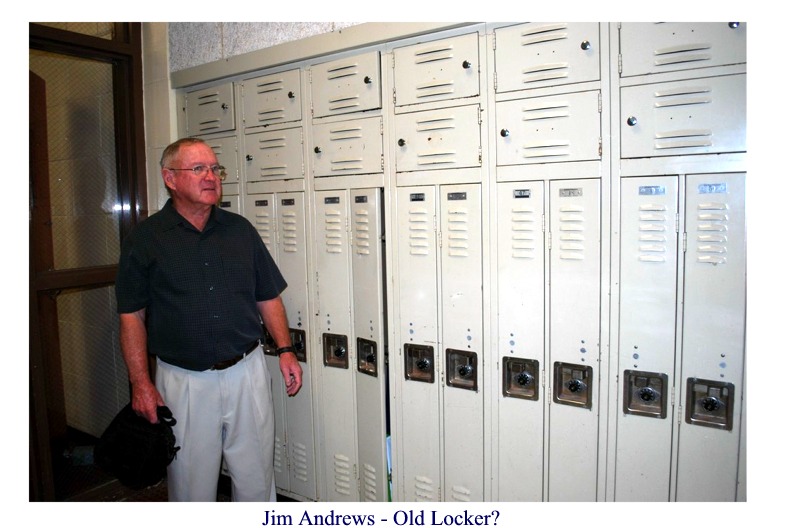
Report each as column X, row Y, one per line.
column 516, row 259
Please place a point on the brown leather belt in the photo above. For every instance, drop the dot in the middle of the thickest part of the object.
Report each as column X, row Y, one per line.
column 222, row 365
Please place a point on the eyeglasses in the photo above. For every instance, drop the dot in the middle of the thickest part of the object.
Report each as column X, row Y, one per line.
column 202, row 170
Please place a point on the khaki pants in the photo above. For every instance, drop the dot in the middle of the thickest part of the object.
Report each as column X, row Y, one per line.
column 225, row 413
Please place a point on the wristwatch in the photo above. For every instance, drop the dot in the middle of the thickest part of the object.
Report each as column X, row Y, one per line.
column 285, row 349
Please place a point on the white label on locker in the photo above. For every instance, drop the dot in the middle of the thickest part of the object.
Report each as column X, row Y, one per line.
column 712, row 188
column 652, row 190
column 567, row 193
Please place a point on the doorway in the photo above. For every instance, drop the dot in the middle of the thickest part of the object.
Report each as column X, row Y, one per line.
column 86, row 149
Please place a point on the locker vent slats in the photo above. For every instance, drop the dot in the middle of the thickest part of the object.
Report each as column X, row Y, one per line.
column 420, row 231
column 571, row 236
column 653, row 220
column 299, row 461
column 712, row 219
column 361, row 232
column 343, row 474
column 333, row 231
column 523, row 232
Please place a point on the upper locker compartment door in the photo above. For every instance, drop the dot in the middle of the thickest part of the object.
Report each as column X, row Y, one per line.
column 210, row 110
column 346, row 85
column 437, row 71
column 537, row 55
column 348, row 147
column 447, row 138
column 671, row 46
column 547, row 129
column 699, row 116
column 271, row 99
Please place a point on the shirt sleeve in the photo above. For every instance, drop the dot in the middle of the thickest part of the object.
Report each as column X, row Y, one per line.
column 131, row 281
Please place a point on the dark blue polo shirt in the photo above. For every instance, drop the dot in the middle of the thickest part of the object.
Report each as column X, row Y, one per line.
column 199, row 289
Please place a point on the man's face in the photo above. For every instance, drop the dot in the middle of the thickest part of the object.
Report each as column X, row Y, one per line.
column 187, row 187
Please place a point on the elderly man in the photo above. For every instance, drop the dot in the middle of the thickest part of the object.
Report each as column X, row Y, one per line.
column 194, row 284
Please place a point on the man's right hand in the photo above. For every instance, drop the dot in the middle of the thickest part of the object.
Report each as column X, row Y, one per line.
column 145, row 400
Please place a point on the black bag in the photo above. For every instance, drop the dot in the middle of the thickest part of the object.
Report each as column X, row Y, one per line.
column 136, row 451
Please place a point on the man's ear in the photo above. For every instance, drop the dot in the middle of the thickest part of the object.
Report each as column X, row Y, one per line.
column 168, row 177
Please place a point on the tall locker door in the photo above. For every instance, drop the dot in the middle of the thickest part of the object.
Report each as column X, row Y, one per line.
column 648, row 300
column 714, row 298
column 575, row 296
column 520, row 345
column 292, row 261
column 418, row 296
column 260, row 210
column 334, row 326
column 462, row 339
column 370, row 370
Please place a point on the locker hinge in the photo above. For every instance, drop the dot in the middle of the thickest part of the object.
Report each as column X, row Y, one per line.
column 600, row 147
column 600, row 103
column 685, row 240
column 480, row 155
column 620, row 63
column 495, row 86
column 677, row 222
column 548, row 239
column 543, row 222
column 382, row 162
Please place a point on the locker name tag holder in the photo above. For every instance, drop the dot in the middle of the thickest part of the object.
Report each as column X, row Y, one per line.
column 360, row 199
column 456, row 196
column 652, row 190
column 288, row 201
column 417, row 197
column 522, row 193
column 712, row 188
column 224, row 204
column 570, row 193
column 710, row 403
column 332, row 200
column 261, row 203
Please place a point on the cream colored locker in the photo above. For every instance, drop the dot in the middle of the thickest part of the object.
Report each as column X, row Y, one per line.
column 446, row 138
column 699, row 116
column 280, row 221
column 714, row 316
column 333, row 265
column 520, row 286
column 274, row 155
column 554, row 128
column 572, row 370
column 210, row 110
column 259, row 209
column 292, row 252
column 420, row 441
column 271, row 99
column 541, row 54
column 439, row 70
column 370, row 368
column 647, row 48
column 648, row 311
column 462, row 340
column 348, row 147
column 351, row 84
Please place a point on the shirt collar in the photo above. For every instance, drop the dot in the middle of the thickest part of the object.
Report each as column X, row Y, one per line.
column 172, row 217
